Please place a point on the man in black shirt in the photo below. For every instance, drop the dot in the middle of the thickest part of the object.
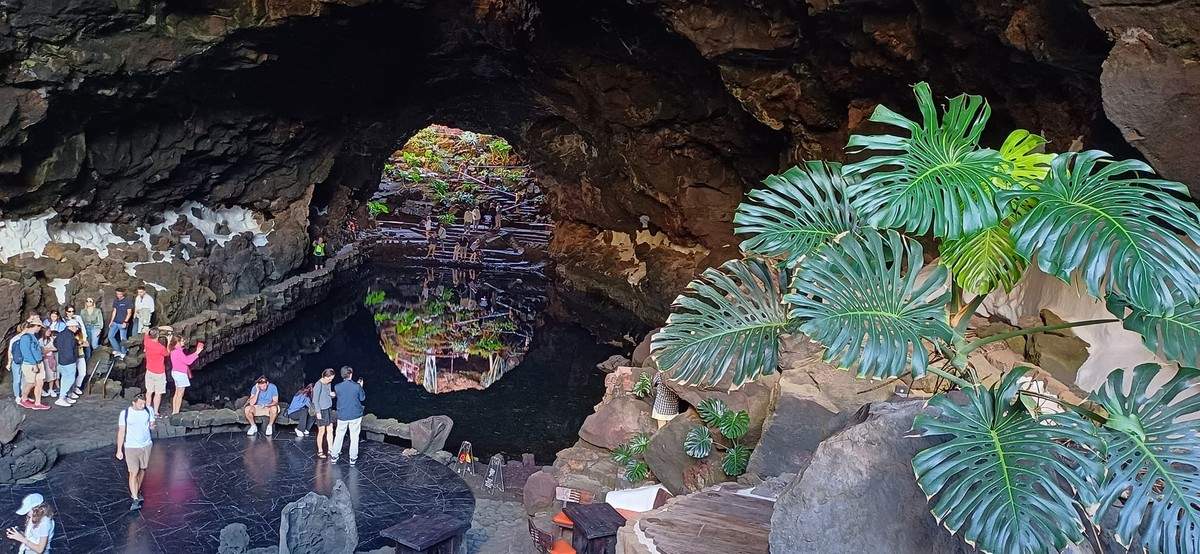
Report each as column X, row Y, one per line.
column 118, row 323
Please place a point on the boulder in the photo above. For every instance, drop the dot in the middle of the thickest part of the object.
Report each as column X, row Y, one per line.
column 23, row 459
column 754, row 397
column 586, row 467
column 429, row 434
column 672, row 466
column 621, row 381
column 318, row 523
column 864, row 470
column 539, row 492
column 803, row 417
column 234, row 539
column 641, row 353
column 615, row 421
column 11, row 418
column 612, row 363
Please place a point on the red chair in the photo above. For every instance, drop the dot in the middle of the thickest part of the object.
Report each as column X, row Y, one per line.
column 547, row 544
column 569, row 496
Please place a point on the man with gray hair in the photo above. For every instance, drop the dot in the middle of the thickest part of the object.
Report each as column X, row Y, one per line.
column 350, row 395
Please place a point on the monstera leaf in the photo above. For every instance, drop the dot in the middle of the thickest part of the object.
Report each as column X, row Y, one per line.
column 1152, row 465
column 1097, row 217
column 863, row 298
column 936, row 179
column 1173, row 333
column 1027, row 165
column 734, row 424
column 730, row 317
column 985, row 259
column 698, row 442
column 735, row 461
column 800, row 210
column 711, row 410
column 1006, row 482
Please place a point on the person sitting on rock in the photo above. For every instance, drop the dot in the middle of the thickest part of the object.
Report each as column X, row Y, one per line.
column 299, row 410
column 264, row 401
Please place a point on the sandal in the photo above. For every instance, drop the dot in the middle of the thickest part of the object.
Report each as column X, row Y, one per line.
column 321, row 455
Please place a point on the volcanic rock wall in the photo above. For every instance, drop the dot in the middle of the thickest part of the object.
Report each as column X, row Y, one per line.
column 647, row 119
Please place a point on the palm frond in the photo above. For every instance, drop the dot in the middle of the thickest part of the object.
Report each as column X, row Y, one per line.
column 798, row 211
column 1173, row 334
column 863, row 299
column 730, row 317
column 1152, row 459
column 936, row 179
column 1005, row 481
column 1116, row 229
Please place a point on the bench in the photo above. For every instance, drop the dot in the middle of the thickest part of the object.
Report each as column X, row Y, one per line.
column 427, row 534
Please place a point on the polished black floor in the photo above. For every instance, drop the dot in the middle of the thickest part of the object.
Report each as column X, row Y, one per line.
column 197, row 485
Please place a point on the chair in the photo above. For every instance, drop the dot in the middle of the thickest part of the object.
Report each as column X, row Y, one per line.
column 546, row 543
column 568, row 495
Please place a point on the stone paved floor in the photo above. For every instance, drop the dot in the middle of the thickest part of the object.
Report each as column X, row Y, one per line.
column 197, row 485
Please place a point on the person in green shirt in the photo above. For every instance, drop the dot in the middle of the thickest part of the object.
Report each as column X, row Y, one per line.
column 319, row 252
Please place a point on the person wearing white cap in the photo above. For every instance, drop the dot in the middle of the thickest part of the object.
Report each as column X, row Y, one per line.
column 39, row 526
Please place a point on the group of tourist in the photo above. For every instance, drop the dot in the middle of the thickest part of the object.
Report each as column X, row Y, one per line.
column 313, row 404
column 48, row 355
column 466, row 248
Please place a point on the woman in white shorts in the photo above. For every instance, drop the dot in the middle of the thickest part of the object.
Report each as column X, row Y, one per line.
column 181, row 369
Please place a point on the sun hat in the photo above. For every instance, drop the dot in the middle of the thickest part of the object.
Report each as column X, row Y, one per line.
column 31, row 501
column 73, row 323
column 34, row 320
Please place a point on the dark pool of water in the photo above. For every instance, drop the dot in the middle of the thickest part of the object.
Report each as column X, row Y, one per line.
column 535, row 407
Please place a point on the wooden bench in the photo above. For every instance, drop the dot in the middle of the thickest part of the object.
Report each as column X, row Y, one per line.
column 427, row 534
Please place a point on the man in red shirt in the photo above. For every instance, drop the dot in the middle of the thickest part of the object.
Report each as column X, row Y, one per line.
column 156, row 369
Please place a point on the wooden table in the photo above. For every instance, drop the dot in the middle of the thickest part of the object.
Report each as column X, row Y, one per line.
column 428, row 534
column 595, row 530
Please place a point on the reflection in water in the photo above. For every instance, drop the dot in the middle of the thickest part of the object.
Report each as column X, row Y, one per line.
column 536, row 407
column 459, row 330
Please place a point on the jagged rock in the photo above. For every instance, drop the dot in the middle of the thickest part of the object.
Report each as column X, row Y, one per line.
column 23, row 459
column 586, row 467
column 753, row 397
column 621, row 381
column 538, row 493
column 317, row 523
column 234, row 539
column 672, row 466
column 865, row 470
column 612, row 363
column 429, row 434
column 615, row 421
column 641, row 353
column 11, row 417
column 802, row 417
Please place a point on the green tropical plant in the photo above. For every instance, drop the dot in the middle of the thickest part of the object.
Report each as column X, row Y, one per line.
column 643, row 386
column 447, row 218
column 731, row 425
column 377, row 208
column 374, row 298
column 826, row 257
column 629, row 456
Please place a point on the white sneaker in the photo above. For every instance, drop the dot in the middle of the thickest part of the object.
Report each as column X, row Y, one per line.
column 270, row 430
column 70, row 400
column 62, row 402
column 17, row 400
column 51, row 394
column 252, row 430
column 299, row 433
column 306, row 433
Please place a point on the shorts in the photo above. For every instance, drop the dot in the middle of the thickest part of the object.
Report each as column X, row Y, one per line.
column 137, row 458
column 181, row 379
column 326, row 419
column 156, row 382
column 265, row 410
column 29, row 373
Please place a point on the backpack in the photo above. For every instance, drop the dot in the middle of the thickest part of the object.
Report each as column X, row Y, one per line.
column 125, row 416
column 17, row 356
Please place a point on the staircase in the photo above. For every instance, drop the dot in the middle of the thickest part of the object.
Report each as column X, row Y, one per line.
column 519, row 245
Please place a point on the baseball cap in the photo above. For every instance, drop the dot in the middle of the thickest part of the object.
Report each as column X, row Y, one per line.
column 30, row 502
